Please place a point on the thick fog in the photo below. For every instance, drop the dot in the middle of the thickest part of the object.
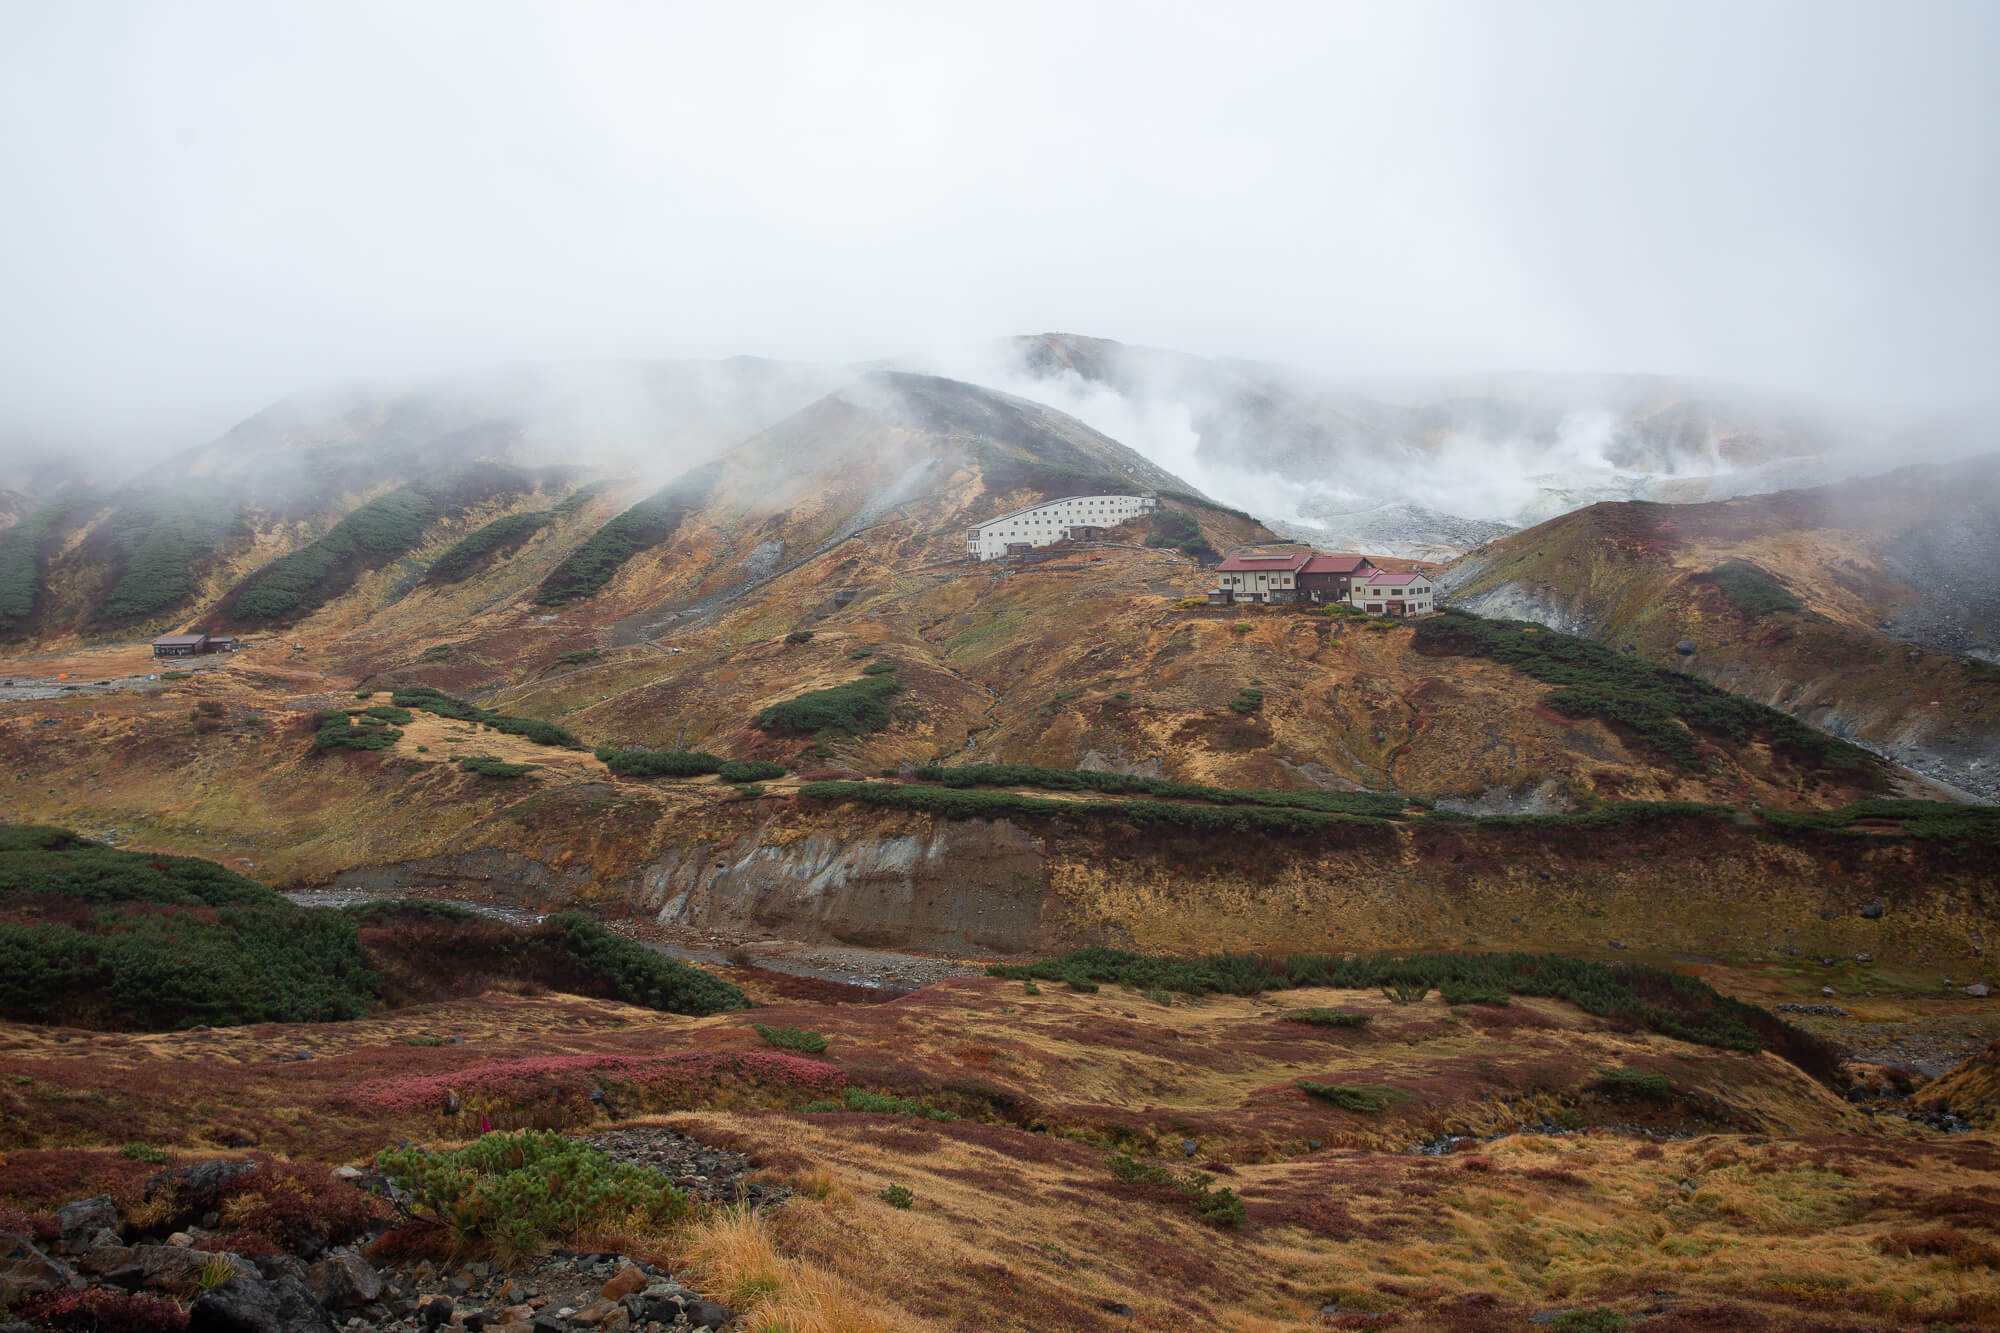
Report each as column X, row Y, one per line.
column 210, row 205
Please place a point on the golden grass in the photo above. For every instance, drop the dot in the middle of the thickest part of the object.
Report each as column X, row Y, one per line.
column 736, row 1256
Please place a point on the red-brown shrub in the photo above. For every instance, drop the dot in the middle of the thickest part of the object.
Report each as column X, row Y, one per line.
column 103, row 1311
column 1961, row 1249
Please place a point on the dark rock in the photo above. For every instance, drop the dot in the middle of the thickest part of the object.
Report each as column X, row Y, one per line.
column 1871, row 912
column 252, row 1305
column 170, row 1268
column 82, row 1219
column 656, row 1309
column 26, row 1271
column 280, row 1265
column 343, row 1280
column 546, row 1323
column 1617, row 944
column 707, row 1314
column 1189, row 1147
column 436, row 1312
column 1686, row 648
column 116, row 1264
column 1114, row 1307
column 1864, row 957
column 198, row 1186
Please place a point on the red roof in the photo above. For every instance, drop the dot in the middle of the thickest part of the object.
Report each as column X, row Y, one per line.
column 1336, row 564
column 1390, row 576
column 1264, row 562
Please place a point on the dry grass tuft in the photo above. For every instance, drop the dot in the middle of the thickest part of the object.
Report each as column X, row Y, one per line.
column 737, row 1256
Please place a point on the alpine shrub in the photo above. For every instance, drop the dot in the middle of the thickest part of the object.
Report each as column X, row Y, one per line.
column 793, row 1039
column 518, row 1191
column 855, row 709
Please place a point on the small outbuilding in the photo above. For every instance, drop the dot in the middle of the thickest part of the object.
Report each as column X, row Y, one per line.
column 182, row 645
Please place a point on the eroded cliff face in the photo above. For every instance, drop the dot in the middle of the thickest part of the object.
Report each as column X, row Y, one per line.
column 1707, row 887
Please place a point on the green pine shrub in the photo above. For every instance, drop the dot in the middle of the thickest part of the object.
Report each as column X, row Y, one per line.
column 798, row 636
column 1361, row 1098
column 517, row 1192
column 435, row 701
column 659, row 763
column 645, row 525
column 1330, row 1018
column 1668, row 710
column 638, row 975
column 1751, row 590
column 749, row 770
column 1626, row 1082
column 855, row 709
column 482, row 546
column 793, row 1039
column 490, row 766
column 1645, row 997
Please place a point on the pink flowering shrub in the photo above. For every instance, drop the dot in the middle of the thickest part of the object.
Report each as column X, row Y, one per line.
column 679, row 1081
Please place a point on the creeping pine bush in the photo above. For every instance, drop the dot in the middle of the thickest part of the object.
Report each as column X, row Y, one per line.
column 1072, row 779
column 879, row 1103
column 749, row 770
column 479, row 547
column 1662, row 707
column 1637, row 1083
column 896, row 1196
column 1645, row 997
column 959, row 803
column 878, row 668
column 799, row 636
column 338, row 733
column 1332, row 1018
column 645, row 525
column 1362, row 1098
column 370, row 537
column 793, row 1039
column 1218, row 1207
column 493, row 767
column 639, row 975
column 1247, row 701
column 1750, row 590
column 659, row 763
column 435, row 701
column 857, row 708
column 515, row 1192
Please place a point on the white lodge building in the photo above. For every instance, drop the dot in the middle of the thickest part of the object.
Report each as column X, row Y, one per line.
column 1051, row 522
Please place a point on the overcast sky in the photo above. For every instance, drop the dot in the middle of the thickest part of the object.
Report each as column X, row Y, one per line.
column 207, row 205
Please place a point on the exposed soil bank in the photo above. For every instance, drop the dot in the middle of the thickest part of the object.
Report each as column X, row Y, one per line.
column 879, row 879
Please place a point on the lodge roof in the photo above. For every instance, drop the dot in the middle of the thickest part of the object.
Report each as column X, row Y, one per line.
column 180, row 641
column 1336, row 564
column 1264, row 561
column 1391, row 576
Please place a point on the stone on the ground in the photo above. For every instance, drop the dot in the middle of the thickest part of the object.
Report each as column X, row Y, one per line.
column 177, row 1271
column 627, row 1280
column 343, row 1280
column 435, row 1311
column 82, row 1219
column 26, row 1271
column 1977, row 990
column 707, row 1314
column 253, row 1305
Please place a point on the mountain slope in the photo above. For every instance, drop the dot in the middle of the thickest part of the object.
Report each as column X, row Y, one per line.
column 1848, row 606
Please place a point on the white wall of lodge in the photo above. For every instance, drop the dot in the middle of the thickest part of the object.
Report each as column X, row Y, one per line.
column 1052, row 521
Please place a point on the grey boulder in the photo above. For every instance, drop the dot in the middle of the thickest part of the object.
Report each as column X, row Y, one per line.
column 252, row 1305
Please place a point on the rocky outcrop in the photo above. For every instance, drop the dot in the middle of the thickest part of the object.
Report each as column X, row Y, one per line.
column 949, row 887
